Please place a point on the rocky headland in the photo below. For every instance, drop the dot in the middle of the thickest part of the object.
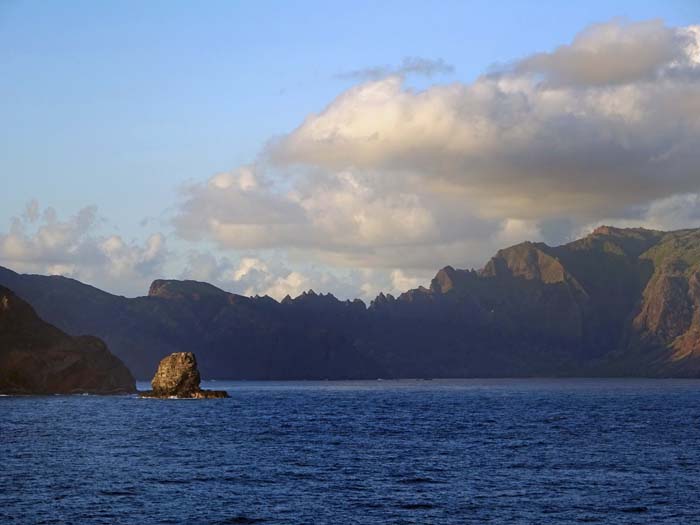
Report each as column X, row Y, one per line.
column 37, row 358
column 178, row 377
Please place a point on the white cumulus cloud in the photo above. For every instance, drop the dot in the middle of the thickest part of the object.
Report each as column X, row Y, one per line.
column 41, row 242
column 388, row 183
column 389, row 179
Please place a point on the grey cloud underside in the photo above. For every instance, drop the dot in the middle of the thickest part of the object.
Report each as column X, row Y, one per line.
column 607, row 127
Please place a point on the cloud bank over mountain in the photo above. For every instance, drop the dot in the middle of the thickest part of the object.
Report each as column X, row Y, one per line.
column 389, row 182
column 386, row 176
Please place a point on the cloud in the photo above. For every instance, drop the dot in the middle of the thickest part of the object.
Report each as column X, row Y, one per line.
column 409, row 66
column 268, row 275
column 248, row 275
column 251, row 275
column 348, row 219
column 673, row 213
column 386, row 176
column 390, row 181
column 616, row 52
column 41, row 242
column 511, row 144
column 242, row 209
column 401, row 282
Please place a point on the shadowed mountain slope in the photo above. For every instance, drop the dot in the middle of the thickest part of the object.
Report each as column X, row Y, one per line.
column 617, row 302
column 37, row 358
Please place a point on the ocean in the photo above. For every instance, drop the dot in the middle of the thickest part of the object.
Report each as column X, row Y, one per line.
column 339, row 452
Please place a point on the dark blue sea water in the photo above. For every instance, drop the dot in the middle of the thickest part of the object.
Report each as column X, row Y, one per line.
column 452, row 452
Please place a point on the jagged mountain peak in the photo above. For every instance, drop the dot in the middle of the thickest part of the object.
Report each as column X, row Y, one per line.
column 626, row 301
column 531, row 261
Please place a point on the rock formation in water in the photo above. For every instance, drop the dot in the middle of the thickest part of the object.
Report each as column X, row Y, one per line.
column 38, row 358
column 178, row 377
column 619, row 302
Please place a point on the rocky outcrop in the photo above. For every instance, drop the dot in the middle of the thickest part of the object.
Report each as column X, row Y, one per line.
column 178, row 377
column 38, row 358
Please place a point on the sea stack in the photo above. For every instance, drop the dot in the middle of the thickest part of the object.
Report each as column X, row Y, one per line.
column 178, row 377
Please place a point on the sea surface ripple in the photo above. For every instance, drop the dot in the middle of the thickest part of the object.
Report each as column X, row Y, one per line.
column 400, row 452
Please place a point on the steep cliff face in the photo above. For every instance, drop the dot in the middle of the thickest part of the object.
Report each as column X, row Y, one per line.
column 666, row 311
column 542, row 295
column 687, row 345
column 617, row 302
column 667, row 319
column 37, row 358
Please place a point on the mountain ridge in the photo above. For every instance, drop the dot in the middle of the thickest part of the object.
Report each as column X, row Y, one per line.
column 616, row 302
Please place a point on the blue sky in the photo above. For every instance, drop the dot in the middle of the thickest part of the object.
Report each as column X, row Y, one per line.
column 121, row 104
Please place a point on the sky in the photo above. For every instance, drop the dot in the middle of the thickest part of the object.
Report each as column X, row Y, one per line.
column 345, row 147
